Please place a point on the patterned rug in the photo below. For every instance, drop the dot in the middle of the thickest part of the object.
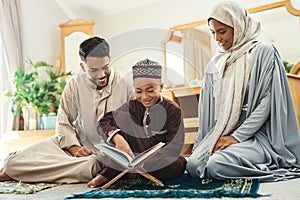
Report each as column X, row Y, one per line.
column 10, row 187
column 184, row 187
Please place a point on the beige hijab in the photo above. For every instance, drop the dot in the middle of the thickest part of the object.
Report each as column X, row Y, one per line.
column 234, row 66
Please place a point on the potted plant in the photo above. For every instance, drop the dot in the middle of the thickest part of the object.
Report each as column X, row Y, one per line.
column 35, row 95
column 288, row 66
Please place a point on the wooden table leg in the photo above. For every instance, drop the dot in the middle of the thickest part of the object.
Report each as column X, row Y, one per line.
column 150, row 177
column 114, row 179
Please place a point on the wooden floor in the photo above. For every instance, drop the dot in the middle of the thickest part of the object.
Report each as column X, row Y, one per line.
column 16, row 140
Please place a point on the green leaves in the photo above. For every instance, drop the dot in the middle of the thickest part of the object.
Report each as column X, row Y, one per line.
column 31, row 87
column 38, row 64
column 288, row 66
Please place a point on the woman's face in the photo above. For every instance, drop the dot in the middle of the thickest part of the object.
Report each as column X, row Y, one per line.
column 222, row 33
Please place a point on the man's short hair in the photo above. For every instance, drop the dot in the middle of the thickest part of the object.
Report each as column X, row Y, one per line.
column 95, row 47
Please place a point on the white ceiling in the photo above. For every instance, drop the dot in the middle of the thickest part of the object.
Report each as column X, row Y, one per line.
column 75, row 8
column 101, row 7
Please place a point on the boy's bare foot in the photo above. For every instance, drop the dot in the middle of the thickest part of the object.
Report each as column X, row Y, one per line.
column 4, row 177
column 134, row 176
column 98, row 181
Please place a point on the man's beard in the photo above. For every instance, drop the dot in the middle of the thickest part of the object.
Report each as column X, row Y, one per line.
column 95, row 81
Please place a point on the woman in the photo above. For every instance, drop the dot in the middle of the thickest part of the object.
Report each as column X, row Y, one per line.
column 248, row 126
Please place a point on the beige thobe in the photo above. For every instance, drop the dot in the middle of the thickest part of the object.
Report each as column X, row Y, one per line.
column 81, row 107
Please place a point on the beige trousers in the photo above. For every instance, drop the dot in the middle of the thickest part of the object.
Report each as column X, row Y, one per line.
column 47, row 162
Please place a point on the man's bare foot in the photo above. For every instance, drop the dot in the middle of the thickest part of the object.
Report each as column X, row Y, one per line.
column 4, row 177
column 98, row 181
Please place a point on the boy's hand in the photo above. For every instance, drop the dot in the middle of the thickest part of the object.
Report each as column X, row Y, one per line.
column 122, row 144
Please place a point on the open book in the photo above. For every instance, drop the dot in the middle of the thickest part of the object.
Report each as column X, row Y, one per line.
column 124, row 158
column 131, row 164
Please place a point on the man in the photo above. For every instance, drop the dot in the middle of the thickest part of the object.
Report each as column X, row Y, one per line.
column 142, row 123
column 69, row 157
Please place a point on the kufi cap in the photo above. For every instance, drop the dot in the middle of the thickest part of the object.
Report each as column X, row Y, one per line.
column 146, row 69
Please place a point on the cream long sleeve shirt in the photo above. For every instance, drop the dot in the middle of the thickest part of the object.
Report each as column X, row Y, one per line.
column 82, row 106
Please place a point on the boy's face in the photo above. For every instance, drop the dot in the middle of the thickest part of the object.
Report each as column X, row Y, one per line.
column 147, row 90
column 98, row 70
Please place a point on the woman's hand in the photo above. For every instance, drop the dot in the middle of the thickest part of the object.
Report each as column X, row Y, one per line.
column 223, row 142
column 122, row 144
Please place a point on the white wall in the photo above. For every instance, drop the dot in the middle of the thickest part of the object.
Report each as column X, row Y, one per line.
column 163, row 14
column 283, row 30
column 137, row 33
column 143, row 27
column 41, row 33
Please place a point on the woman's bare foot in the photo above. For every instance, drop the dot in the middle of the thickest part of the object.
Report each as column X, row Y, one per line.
column 4, row 177
column 98, row 181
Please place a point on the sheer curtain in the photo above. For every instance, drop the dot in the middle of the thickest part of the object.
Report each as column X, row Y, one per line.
column 3, row 85
column 11, row 55
column 197, row 53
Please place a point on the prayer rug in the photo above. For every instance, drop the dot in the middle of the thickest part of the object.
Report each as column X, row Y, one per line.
column 10, row 187
column 184, row 187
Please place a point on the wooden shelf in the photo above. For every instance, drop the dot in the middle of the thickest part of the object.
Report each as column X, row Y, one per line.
column 186, row 91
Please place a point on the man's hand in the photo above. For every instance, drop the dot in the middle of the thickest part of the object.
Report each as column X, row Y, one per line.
column 223, row 142
column 122, row 144
column 78, row 151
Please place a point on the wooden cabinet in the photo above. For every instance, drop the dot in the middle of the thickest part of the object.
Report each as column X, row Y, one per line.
column 187, row 98
column 294, row 82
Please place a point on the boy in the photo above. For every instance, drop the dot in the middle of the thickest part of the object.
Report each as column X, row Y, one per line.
column 141, row 123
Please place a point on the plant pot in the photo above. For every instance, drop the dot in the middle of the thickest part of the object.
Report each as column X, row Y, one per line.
column 48, row 121
column 30, row 117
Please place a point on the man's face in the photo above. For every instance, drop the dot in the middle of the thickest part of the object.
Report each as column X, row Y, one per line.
column 98, row 70
column 147, row 90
